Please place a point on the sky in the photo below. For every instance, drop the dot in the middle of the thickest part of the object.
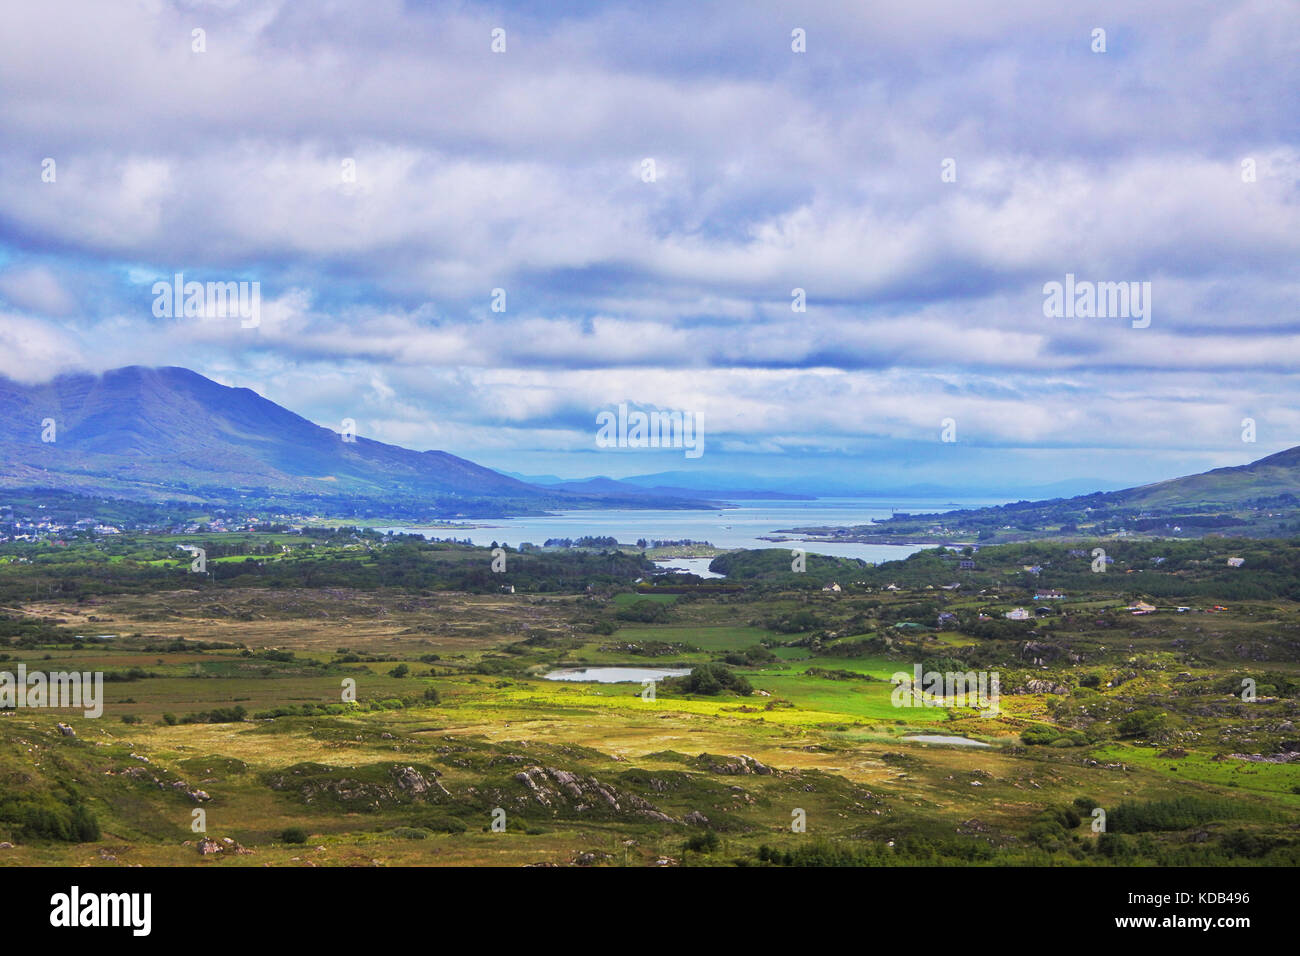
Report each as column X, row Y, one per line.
column 480, row 250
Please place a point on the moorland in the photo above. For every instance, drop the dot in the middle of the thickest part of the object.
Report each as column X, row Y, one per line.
column 229, row 736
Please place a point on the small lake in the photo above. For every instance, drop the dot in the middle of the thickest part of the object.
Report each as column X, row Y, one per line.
column 617, row 675
column 697, row 566
column 941, row 739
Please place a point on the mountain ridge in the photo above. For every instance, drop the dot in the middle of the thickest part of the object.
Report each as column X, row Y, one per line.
column 168, row 433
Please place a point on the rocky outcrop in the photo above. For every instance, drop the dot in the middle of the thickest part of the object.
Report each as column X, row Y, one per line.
column 207, row 847
column 1042, row 687
column 733, row 766
column 417, row 784
column 558, row 790
column 371, row 787
column 1285, row 757
column 179, row 786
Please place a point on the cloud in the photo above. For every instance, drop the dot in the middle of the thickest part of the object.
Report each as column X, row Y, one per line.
column 381, row 175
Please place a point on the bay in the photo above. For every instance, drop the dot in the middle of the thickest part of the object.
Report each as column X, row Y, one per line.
column 739, row 525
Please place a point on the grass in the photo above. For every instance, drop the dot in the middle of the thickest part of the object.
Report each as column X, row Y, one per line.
column 836, row 745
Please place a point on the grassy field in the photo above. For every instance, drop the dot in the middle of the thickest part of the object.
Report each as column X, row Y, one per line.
column 451, row 724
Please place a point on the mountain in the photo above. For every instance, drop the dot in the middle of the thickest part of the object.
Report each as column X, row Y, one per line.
column 170, row 433
column 627, row 486
column 822, row 487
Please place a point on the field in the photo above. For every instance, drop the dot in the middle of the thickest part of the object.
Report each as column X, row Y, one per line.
column 296, row 724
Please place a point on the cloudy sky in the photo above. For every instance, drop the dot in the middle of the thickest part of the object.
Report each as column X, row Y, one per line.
column 380, row 170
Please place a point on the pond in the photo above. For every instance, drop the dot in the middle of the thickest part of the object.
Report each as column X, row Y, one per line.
column 617, row 675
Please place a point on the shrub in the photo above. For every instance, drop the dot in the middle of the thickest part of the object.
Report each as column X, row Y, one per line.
column 45, row 818
column 644, row 612
column 710, row 679
column 1147, row 722
column 705, row 842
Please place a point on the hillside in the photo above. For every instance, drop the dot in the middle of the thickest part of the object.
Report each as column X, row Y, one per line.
column 1259, row 499
column 1270, row 477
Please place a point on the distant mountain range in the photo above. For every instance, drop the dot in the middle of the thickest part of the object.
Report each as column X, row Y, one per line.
column 719, row 484
column 640, row 486
column 159, row 434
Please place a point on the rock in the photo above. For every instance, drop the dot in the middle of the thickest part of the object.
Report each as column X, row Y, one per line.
column 416, row 783
column 198, row 796
column 695, row 818
column 1285, row 757
column 207, row 846
column 734, row 766
column 66, row 729
column 1042, row 687
column 554, row 788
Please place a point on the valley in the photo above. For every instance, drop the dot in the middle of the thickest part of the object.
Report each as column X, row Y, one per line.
column 225, row 693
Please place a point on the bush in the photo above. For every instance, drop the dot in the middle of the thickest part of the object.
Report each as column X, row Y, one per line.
column 1179, row 813
column 644, row 612
column 710, row 679
column 45, row 818
column 218, row 715
column 439, row 823
column 293, row 835
column 409, row 833
column 705, row 842
column 1145, row 723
